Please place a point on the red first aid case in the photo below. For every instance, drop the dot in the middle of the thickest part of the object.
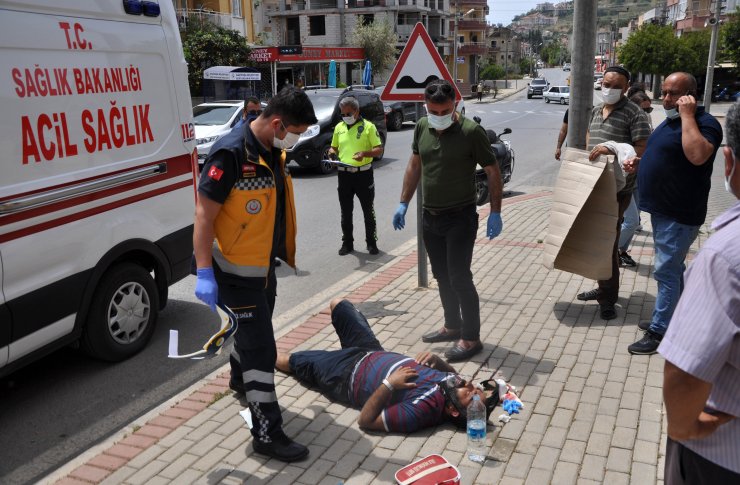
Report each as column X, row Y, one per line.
column 430, row 470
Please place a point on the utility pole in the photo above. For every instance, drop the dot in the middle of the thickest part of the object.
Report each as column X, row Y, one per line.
column 714, row 21
column 454, row 46
column 582, row 75
column 506, row 61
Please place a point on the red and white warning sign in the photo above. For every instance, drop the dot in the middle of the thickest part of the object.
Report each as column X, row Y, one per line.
column 419, row 64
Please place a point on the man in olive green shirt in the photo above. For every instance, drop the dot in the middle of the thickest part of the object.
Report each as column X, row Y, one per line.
column 357, row 142
column 446, row 149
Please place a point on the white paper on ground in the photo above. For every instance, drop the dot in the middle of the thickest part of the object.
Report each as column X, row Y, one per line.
column 247, row 415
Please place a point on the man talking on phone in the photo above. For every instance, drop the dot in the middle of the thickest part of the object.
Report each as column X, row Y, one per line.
column 673, row 181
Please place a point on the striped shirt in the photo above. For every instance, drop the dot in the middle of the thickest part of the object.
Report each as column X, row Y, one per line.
column 703, row 338
column 627, row 123
column 409, row 409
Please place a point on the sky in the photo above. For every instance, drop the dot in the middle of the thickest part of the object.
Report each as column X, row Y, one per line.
column 502, row 11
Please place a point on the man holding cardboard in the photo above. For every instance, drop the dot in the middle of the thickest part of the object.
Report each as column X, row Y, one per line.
column 619, row 120
column 674, row 180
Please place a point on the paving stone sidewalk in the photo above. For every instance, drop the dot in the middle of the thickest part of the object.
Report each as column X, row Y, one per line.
column 593, row 413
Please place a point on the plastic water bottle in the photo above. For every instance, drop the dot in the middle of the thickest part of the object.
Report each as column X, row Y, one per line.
column 477, row 430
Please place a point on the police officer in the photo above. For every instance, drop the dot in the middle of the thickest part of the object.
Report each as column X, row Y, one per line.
column 244, row 218
column 357, row 142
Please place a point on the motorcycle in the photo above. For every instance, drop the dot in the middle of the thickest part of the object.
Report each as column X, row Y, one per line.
column 505, row 156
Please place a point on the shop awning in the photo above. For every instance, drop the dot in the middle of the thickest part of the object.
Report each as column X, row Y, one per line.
column 232, row 73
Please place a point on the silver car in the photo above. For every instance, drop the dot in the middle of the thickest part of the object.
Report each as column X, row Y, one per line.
column 558, row 94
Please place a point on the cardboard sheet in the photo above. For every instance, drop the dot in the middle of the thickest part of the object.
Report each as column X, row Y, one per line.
column 583, row 218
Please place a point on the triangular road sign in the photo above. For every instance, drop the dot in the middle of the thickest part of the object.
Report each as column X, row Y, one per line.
column 419, row 64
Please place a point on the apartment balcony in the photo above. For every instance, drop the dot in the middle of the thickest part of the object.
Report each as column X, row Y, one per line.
column 468, row 48
column 472, row 24
column 189, row 16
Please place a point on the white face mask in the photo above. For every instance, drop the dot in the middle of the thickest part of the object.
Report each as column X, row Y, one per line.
column 611, row 95
column 350, row 120
column 287, row 142
column 440, row 122
column 671, row 113
column 728, row 187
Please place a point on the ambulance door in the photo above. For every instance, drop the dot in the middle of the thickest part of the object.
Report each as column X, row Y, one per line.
column 5, row 321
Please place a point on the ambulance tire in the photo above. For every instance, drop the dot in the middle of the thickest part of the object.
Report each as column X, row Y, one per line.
column 122, row 314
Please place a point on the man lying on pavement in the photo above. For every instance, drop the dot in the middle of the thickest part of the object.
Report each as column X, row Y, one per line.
column 394, row 392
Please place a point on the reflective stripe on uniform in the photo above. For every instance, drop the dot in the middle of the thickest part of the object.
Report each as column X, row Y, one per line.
column 235, row 269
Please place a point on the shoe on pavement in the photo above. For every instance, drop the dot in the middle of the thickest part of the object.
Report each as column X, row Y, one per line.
column 457, row 353
column 346, row 249
column 589, row 295
column 236, row 386
column 281, row 448
column 644, row 325
column 647, row 345
column 607, row 311
column 440, row 336
column 372, row 249
column 626, row 260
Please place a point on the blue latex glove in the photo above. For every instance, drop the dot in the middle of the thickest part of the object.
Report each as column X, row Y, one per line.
column 399, row 218
column 206, row 289
column 495, row 225
column 511, row 406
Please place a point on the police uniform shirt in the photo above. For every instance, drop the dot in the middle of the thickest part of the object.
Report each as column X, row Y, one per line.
column 361, row 136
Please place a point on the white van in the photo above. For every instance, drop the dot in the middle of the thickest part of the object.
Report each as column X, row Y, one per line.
column 97, row 157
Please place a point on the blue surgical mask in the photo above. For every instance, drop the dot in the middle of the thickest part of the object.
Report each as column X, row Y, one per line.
column 672, row 113
column 440, row 122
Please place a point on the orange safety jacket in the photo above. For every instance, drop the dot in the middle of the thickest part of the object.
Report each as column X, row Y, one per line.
column 245, row 225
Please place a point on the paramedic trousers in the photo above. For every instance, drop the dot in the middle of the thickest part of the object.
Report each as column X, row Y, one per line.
column 449, row 235
column 609, row 289
column 361, row 184
column 253, row 356
column 330, row 370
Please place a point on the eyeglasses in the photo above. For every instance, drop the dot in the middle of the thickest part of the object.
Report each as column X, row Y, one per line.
column 351, row 113
column 254, row 112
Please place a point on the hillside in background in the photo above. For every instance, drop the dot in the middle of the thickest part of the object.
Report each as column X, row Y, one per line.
column 608, row 11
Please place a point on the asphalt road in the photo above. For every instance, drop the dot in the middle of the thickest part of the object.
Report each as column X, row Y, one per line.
column 62, row 405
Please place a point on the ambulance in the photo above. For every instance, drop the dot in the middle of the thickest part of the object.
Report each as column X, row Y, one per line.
column 97, row 184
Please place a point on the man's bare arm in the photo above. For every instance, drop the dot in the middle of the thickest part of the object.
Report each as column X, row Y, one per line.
column 685, row 398
column 411, row 177
column 495, row 186
column 370, row 414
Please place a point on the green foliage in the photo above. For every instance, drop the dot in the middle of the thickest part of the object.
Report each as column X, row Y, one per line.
column 730, row 37
column 379, row 41
column 652, row 49
column 694, row 50
column 554, row 54
column 207, row 45
column 492, row 71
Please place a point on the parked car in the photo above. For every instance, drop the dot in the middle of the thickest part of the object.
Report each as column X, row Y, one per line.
column 397, row 112
column 558, row 94
column 537, row 87
column 214, row 120
column 312, row 148
column 566, row 66
column 598, row 79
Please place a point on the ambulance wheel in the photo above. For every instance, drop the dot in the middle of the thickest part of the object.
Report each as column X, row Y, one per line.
column 122, row 314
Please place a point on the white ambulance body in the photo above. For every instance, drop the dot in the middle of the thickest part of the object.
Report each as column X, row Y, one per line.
column 96, row 174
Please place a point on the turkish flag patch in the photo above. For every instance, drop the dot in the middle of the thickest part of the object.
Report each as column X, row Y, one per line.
column 215, row 173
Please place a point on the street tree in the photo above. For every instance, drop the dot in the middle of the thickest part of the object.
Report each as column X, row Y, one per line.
column 379, row 41
column 205, row 45
column 492, row 71
column 730, row 35
column 652, row 49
